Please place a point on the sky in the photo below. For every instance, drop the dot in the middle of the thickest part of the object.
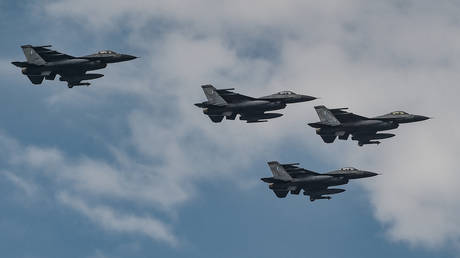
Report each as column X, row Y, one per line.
column 129, row 167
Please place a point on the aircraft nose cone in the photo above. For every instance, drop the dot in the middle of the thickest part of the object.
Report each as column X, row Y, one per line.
column 369, row 174
column 128, row 57
column 307, row 98
column 418, row 118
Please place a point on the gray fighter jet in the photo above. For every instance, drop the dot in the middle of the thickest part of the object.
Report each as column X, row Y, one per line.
column 291, row 178
column 45, row 63
column 339, row 123
column 225, row 103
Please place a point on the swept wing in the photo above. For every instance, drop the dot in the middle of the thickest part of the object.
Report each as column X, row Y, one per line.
column 233, row 97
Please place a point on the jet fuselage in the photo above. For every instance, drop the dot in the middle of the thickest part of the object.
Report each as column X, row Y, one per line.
column 363, row 125
column 318, row 181
column 58, row 66
column 45, row 63
column 226, row 103
column 291, row 178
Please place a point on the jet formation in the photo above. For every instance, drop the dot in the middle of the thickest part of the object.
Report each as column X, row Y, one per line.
column 291, row 178
column 226, row 103
column 340, row 123
column 45, row 63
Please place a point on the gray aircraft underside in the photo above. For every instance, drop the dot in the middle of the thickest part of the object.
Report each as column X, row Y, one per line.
column 340, row 123
column 291, row 178
column 45, row 63
column 226, row 103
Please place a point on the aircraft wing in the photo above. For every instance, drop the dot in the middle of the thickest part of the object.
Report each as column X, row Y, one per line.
column 233, row 97
column 296, row 171
column 291, row 166
column 48, row 54
column 344, row 116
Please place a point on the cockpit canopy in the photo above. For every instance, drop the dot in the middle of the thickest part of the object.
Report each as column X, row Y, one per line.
column 398, row 113
column 106, row 52
column 348, row 169
column 286, row 92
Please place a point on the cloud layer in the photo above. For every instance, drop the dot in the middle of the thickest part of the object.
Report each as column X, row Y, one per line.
column 372, row 57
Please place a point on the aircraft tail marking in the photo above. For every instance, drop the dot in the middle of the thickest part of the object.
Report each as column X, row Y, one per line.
column 278, row 171
column 32, row 56
column 213, row 96
column 326, row 116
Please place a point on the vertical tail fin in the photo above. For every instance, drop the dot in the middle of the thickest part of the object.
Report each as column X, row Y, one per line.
column 326, row 116
column 32, row 56
column 213, row 96
column 278, row 171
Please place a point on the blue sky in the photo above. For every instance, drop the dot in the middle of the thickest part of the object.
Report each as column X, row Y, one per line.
column 129, row 167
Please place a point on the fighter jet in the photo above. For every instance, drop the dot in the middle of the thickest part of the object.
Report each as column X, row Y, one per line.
column 45, row 63
column 337, row 122
column 225, row 103
column 290, row 177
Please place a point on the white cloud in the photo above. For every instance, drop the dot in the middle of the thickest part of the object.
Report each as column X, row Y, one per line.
column 373, row 57
column 111, row 220
column 78, row 182
column 29, row 188
column 415, row 197
column 207, row 14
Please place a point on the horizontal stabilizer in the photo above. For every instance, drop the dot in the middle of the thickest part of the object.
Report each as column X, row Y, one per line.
column 319, row 125
column 21, row 64
column 271, row 180
column 206, row 105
